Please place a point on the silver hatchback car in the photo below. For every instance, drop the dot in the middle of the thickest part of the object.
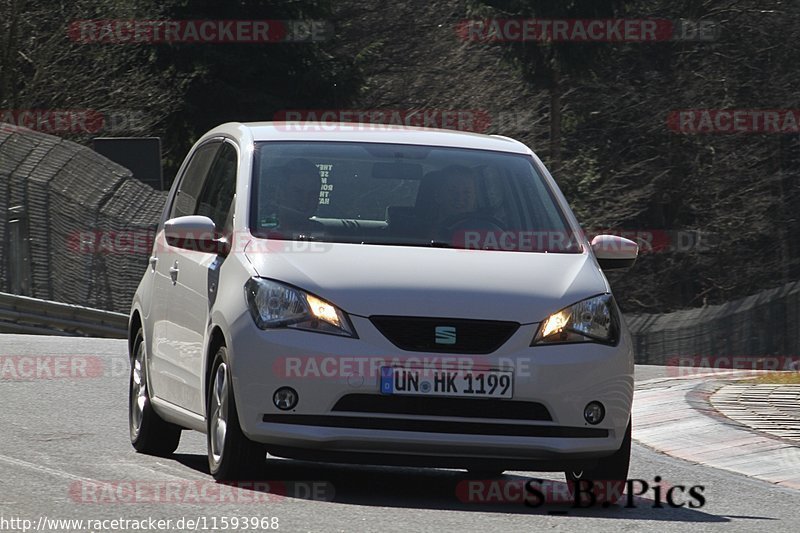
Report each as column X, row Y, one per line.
column 382, row 295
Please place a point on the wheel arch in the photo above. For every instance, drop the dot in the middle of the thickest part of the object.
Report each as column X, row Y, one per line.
column 216, row 339
column 134, row 324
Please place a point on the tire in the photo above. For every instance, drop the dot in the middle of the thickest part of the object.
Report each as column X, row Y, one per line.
column 607, row 479
column 231, row 455
column 149, row 433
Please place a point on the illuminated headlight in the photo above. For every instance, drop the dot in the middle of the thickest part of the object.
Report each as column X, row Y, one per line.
column 275, row 305
column 591, row 320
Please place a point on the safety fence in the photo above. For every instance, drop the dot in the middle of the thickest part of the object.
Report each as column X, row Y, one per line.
column 63, row 208
column 764, row 324
column 21, row 314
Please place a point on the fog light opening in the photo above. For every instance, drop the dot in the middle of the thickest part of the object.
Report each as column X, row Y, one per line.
column 285, row 398
column 594, row 412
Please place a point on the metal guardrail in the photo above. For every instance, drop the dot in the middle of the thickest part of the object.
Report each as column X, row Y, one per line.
column 22, row 314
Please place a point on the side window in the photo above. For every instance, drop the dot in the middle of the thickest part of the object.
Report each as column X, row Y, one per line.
column 216, row 200
column 185, row 202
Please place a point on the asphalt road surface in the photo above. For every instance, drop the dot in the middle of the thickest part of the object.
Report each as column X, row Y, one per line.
column 65, row 455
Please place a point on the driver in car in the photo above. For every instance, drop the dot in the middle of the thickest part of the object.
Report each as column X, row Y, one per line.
column 456, row 199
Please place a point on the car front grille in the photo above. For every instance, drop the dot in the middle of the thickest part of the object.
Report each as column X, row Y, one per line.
column 444, row 335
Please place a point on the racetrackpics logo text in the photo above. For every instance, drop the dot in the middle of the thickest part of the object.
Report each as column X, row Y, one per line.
column 534, row 493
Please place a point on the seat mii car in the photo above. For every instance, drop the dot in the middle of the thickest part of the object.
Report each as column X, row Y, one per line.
column 379, row 295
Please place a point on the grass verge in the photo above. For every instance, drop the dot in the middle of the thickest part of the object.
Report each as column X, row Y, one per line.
column 783, row 378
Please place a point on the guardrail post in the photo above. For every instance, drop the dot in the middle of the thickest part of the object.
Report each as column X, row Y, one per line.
column 19, row 267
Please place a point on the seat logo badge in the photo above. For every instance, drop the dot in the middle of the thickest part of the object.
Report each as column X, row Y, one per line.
column 445, row 335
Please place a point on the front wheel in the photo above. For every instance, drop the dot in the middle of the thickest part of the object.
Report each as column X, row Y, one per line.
column 149, row 433
column 231, row 455
column 604, row 483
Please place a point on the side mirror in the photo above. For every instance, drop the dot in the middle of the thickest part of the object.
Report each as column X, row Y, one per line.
column 196, row 233
column 614, row 252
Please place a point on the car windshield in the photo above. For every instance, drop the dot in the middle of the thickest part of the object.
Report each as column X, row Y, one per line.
column 406, row 195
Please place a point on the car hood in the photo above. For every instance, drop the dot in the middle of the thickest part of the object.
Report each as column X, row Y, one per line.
column 367, row 280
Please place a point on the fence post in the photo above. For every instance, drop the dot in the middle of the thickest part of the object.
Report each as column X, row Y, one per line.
column 19, row 267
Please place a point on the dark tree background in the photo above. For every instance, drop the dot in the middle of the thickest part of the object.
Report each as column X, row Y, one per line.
column 596, row 112
column 730, row 201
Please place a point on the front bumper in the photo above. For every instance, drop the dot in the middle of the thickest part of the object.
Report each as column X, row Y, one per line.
column 326, row 371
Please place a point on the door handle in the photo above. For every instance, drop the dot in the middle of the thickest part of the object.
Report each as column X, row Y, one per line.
column 153, row 261
column 173, row 272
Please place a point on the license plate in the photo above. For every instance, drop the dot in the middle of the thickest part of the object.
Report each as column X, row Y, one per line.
column 443, row 382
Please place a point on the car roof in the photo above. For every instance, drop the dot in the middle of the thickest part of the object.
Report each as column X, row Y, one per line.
column 358, row 132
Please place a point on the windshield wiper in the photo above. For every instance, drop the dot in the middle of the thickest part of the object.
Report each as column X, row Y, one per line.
column 420, row 243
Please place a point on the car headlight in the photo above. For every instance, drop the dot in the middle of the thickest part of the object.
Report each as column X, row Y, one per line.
column 592, row 320
column 275, row 305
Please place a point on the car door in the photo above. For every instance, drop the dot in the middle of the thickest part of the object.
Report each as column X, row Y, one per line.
column 198, row 276
column 169, row 379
